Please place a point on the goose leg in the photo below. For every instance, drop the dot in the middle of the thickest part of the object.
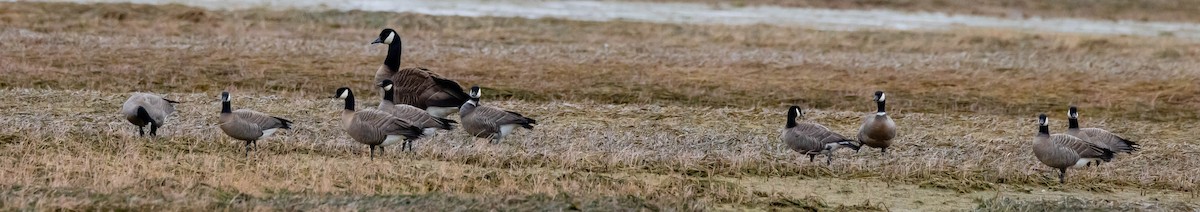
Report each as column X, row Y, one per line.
column 141, row 131
column 372, row 152
column 247, row 152
column 883, row 151
column 811, row 158
column 153, row 130
column 1062, row 175
column 828, row 159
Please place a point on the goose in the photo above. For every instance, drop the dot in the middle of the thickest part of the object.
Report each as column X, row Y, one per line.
column 248, row 125
column 1098, row 136
column 418, row 87
column 1062, row 151
column 811, row 138
column 490, row 122
column 413, row 115
column 145, row 108
column 878, row 130
column 373, row 127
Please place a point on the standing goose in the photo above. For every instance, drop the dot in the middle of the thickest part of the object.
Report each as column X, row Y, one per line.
column 1063, row 151
column 373, row 127
column 1098, row 136
column 412, row 115
column 490, row 122
column 144, row 108
column 812, row 139
column 248, row 125
column 418, row 86
column 878, row 130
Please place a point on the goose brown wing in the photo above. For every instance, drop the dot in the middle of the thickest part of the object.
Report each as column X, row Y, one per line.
column 1116, row 143
column 1085, row 149
column 262, row 120
column 384, row 123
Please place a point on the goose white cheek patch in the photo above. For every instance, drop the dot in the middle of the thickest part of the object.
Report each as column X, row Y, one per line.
column 343, row 95
column 388, row 87
column 882, row 97
column 391, row 36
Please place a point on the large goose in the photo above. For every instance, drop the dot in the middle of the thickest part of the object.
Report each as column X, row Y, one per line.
column 418, row 86
column 248, row 125
column 1062, row 151
column 878, row 130
column 812, row 139
column 490, row 122
column 144, row 108
column 373, row 127
column 1098, row 136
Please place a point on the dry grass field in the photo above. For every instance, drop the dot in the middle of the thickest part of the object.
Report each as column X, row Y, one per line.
column 634, row 116
column 1140, row 10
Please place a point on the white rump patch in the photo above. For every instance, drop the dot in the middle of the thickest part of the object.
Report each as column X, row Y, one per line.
column 442, row 112
column 392, row 139
column 832, row 146
column 267, row 133
column 429, row 131
column 391, row 36
column 505, row 130
column 1083, row 162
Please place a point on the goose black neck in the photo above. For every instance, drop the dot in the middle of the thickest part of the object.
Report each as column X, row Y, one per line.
column 1043, row 130
column 791, row 122
column 881, row 105
column 1073, row 123
column 388, row 95
column 225, row 108
column 349, row 100
column 393, row 55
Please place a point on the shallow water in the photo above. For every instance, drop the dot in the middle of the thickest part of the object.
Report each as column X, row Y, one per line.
column 827, row 19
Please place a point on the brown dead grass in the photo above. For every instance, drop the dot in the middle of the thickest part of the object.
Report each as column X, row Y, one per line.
column 991, row 72
column 656, row 156
column 1141, row 10
column 634, row 114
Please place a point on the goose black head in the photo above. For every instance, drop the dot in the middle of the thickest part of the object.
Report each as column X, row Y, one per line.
column 1073, row 112
column 387, row 36
column 342, row 93
column 386, row 85
column 475, row 92
column 879, row 96
column 1042, row 120
column 225, row 96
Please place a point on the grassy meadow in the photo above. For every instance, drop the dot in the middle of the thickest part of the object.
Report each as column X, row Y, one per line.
column 633, row 116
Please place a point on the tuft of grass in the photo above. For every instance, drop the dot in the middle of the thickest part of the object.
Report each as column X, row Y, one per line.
column 1073, row 204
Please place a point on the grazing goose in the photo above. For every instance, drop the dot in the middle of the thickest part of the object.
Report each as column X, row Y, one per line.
column 144, row 108
column 373, row 127
column 248, row 125
column 877, row 129
column 418, row 86
column 1098, row 136
column 812, row 139
column 490, row 122
column 1063, row 151
column 412, row 115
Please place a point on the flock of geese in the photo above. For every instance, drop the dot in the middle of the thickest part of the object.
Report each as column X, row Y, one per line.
column 415, row 103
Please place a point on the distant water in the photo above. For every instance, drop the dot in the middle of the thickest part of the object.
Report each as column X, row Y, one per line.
column 827, row 19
